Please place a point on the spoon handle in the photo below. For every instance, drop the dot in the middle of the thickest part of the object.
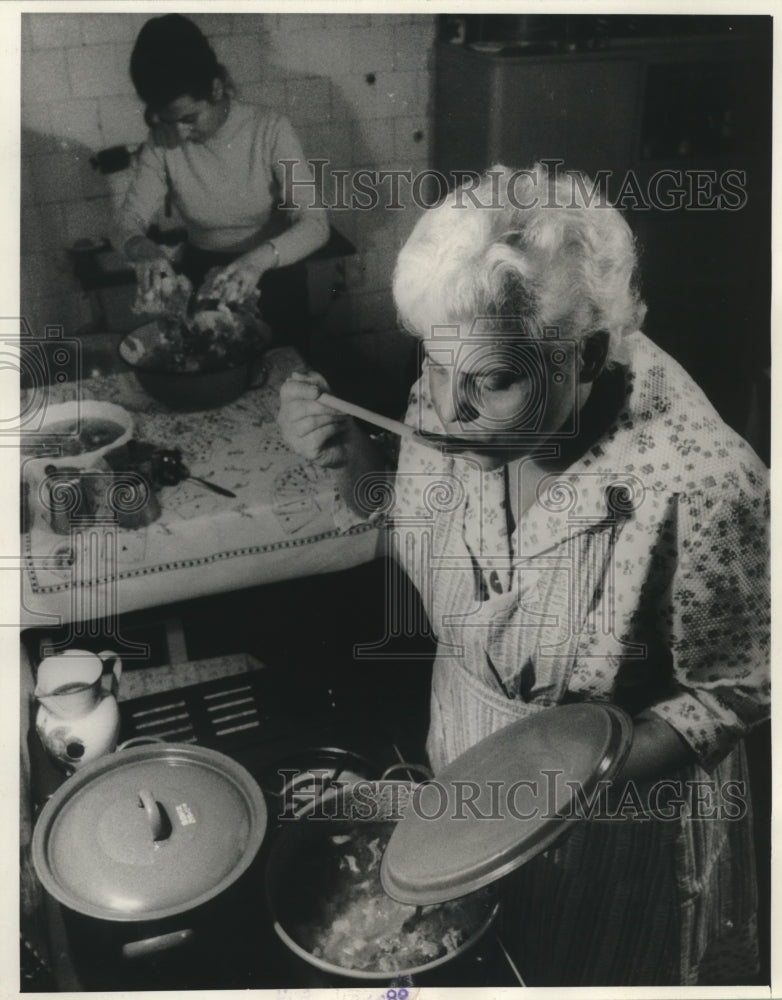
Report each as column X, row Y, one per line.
column 353, row 410
column 213, row 486
column 429, row 438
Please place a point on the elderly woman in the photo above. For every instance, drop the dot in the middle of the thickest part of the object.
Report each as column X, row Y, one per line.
column 222, row 163
column 598, row 535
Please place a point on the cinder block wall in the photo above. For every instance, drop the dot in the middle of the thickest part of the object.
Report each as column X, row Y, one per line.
column 356, row 86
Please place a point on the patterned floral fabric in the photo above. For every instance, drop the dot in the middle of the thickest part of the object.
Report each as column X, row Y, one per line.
column 639, row 576
column 641, row 573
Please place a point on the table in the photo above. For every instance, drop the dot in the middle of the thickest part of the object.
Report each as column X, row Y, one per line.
column 280, row 526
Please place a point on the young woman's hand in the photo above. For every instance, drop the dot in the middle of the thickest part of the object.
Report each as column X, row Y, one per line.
column 150, row 263
column 238, row 282
column 311, row 429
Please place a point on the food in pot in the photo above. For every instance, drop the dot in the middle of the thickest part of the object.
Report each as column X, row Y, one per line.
column 76, row 436
column 348, row 920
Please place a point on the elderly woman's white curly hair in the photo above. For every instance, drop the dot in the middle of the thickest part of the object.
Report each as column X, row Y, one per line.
column 561, row 262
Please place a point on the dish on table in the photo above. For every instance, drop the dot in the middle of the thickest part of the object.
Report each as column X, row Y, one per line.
column 211, row 364
column 78, row 432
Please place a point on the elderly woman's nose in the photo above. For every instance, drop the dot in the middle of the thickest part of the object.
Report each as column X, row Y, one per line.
column 442, row 392
column 451, row 404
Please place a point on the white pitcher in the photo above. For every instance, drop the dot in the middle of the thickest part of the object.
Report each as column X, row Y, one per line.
column 78, row 717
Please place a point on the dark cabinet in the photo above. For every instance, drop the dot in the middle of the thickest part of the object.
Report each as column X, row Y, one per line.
column 679, row 130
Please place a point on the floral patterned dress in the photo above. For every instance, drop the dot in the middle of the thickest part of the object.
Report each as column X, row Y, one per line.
column 638, row 577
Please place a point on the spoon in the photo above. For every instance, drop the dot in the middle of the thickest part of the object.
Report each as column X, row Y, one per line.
column 210, row 486
column 430, row 438
column 170, row 470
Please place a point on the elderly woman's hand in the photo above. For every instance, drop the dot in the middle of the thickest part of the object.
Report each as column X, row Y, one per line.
column 310, row 428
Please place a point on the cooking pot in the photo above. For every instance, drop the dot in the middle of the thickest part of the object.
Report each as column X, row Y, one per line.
column 297, row 781
column 303, row 842
column 142, row 845
column 437, row 855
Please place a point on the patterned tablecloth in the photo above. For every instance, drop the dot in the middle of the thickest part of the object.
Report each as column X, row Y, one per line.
column 279, row 526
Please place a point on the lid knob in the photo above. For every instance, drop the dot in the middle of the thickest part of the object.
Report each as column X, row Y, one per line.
column 159, row 823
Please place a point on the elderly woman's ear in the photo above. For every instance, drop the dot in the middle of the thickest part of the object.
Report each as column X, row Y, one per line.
column 594, row 351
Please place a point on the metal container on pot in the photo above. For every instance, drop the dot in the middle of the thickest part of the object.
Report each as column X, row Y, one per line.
column 144, row 847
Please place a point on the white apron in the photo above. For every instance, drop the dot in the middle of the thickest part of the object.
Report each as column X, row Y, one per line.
column 624, row 902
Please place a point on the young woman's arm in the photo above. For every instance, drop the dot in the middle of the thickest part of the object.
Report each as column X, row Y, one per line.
column 301, row 200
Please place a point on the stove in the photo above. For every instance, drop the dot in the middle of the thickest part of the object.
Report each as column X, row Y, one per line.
column 267, row 721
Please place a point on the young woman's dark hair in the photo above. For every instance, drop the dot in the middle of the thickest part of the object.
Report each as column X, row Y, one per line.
column 172, row 58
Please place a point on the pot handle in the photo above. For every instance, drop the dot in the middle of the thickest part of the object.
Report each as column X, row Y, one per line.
column 153, row 945
column 410, row 769
column 137, row 741
column 326, row 783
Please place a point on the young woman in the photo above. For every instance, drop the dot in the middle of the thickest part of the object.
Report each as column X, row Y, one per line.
column 226, row 166
column 594, row 533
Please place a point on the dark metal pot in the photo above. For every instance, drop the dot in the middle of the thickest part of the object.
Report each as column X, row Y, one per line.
column 302, row 839
column 144, row 846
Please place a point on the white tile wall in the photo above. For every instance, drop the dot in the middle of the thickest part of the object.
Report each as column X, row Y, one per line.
column 214, row 25
column 101, row 27
column 356, row 87
column 96, row 71
column 411, row 137
column 370, row 49
column 317, row 51
column 44, row 75
column 242, row 55
column 77, row 121
column 121, row 121
column 37, row 118
column 55, row 30
column 54, row 175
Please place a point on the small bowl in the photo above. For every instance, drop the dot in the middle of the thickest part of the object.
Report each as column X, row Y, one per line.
column 77, row 413
column 38, row 464
column 185, row 391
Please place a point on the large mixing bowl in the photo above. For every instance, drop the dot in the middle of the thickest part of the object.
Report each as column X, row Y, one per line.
column 187, row 390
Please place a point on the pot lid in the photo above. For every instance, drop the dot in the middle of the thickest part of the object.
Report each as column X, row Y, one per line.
column 502, row 802
column 149, row 832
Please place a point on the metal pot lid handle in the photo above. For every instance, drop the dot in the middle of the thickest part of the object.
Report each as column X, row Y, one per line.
column 159, row 823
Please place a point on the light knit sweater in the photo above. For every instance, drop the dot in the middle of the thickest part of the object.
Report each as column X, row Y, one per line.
column 227, row 189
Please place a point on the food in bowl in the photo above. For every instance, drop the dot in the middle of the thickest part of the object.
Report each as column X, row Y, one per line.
column 75, row 437
column 211, row 340
column 343, row 917
column 166, row 295
column 77, row 432
column 195, row 332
